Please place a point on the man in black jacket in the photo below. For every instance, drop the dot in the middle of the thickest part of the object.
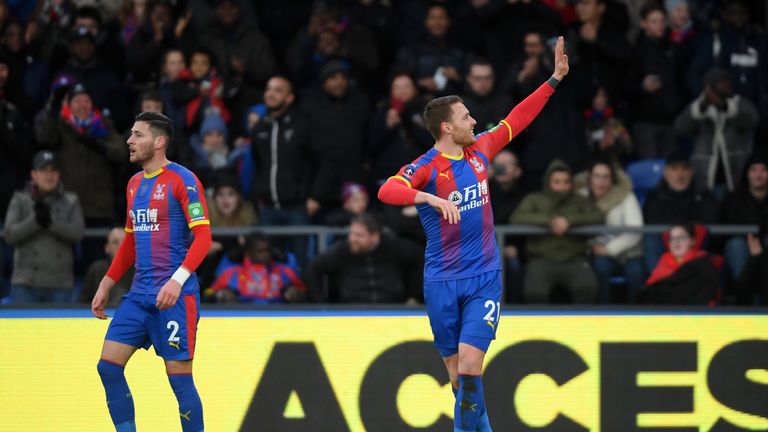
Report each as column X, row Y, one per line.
column 368, row 267
column 338, row 116
column 675, row 199
column 746, row 205
column 281, row 148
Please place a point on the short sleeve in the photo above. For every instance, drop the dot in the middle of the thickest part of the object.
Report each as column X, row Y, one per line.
column 130, row 192
column 191, row 195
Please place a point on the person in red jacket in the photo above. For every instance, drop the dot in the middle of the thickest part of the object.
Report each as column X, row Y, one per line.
column 685, row 274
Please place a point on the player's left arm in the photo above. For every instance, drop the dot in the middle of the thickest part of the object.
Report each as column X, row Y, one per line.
column 191, row 196
column 491, row 142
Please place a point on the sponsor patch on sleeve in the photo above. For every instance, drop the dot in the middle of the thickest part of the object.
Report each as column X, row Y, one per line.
column 195, row 211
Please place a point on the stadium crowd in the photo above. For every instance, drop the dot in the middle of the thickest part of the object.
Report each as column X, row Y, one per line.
column 294, row 113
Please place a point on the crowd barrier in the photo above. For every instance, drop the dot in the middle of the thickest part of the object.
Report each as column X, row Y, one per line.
column 334, row 370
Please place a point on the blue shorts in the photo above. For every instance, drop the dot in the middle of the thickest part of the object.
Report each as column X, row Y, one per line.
column 138, row 322
column 464, row 310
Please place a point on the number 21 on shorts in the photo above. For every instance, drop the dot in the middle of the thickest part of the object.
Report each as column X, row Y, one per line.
column 493, row 308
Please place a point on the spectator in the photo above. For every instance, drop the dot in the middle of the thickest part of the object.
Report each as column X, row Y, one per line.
column 338, row 119
column 281, row 151
column 331, row 37
column 738, row 48
column 615, row 254
column 259, row 279
column 98, row 269
column 173, row 64
column 243, row 55
column 721, row 126
column 747, row 205
column 43, row 224
column 131, row 16
column 751, row 287
column 541, row 142
column 433, row 61
column 685, row 275
column 109, row 47
column 597, row 47
column 28, row 76
column 607, row 137
column 675, row 199
column 354, row 202
column 653, row 86
column 88, row 147
column 558, row 259
column 211, row 149
column 397, row 130
column 156, row 34
column 85, row 67
column 16, row 143
column 199, row 88
column 481, row 98
column 504, row 184
column 229, row 210
column 684, row 38
column 368, row 267
column 502, row 26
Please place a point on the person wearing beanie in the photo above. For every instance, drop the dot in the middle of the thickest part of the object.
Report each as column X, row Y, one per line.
column 721, row 124
column 747, row 205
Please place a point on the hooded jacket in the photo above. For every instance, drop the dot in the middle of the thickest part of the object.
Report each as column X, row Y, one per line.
column 540, row 208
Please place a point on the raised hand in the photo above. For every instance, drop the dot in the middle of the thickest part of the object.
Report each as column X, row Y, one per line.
column 561, row 60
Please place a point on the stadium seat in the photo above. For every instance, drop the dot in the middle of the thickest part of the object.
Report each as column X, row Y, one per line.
column 645, row 175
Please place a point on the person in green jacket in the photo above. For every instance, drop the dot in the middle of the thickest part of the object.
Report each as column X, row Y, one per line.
column 559, row 258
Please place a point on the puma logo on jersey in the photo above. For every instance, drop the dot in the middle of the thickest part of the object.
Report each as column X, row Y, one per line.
column 192, row 188
column 131, row 190
column 175, row 345
column 442, row 174
column 185, row 415
column 493, row 326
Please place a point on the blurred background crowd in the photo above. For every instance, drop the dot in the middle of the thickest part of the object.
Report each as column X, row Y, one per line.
column 295, row 112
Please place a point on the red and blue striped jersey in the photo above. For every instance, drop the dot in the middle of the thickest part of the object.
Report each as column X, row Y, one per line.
column 469, row 247
column 258, row 283
column 162, row 208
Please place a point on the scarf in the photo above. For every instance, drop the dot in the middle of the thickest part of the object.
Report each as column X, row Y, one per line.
column 92, row 126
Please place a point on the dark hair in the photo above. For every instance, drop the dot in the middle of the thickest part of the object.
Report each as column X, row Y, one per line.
column 254, row 238
column 651, row 6
column 286, row 79
column 689, row 228
column 606, row 162
column 205, row 52
column 159, row 124
column 368, row 221
column 150, row 95
column 89, row 12
column 438, row 111
column 477, row 61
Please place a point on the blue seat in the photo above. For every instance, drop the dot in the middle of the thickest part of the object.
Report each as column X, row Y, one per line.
column 645, row 175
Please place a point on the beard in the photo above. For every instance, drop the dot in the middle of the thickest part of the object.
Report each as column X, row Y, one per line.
column 139, row 157
column 465, row 140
